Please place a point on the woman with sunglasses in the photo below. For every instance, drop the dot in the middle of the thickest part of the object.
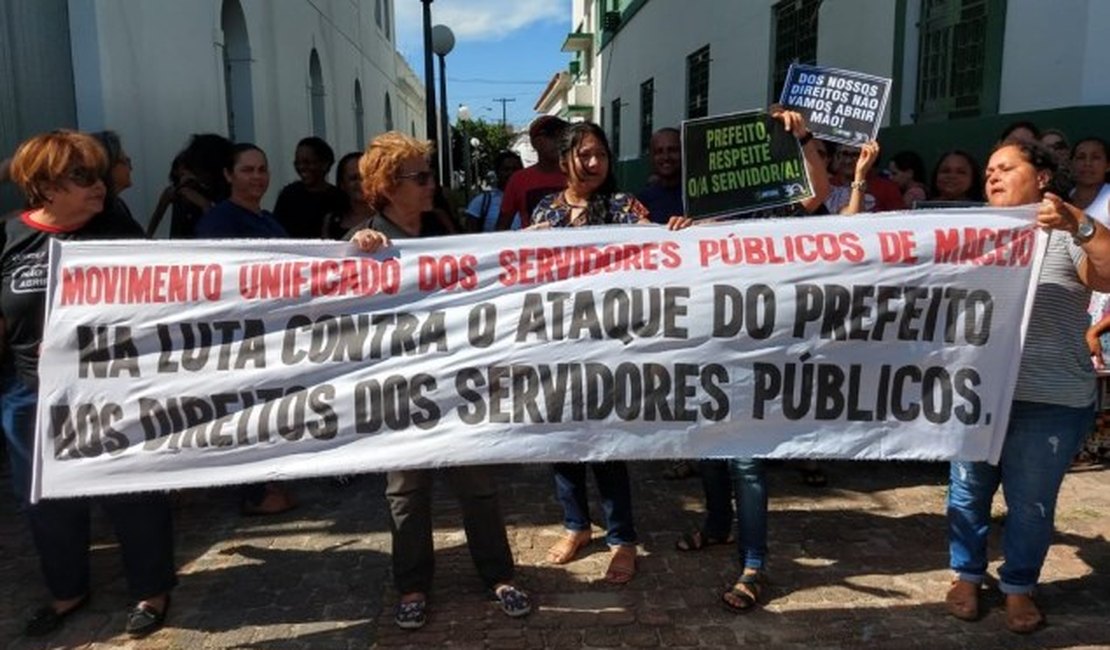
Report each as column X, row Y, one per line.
column 61, row 175
column 398, row 183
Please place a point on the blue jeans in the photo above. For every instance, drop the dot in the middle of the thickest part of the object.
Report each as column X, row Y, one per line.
column 17, row 413
column 616, row 499
column 747, row 479
column 1040, row 443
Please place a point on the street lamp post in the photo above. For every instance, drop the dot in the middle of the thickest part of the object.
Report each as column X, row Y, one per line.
column 464, row 114
column 443, row 41
column 429, row 76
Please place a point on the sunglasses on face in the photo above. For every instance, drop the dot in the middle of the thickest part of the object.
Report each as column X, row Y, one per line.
column 421, row 178
column 82, row 177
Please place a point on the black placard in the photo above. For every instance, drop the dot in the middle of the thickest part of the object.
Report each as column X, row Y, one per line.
column 839, row 105
column 740, row 162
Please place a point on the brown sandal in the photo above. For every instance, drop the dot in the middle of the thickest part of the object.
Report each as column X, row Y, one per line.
column 1022, row 614
column 622, row 566
column 744, row 595
column 962, row 600
column 566, row 549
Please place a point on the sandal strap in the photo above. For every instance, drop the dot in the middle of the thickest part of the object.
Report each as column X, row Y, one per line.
column 752, row 578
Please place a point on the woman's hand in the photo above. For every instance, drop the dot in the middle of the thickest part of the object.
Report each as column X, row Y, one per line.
column 868, row 154
column 792, row 120
column 1094, row 344
column 1055, row 213
column 679, row 222
column 369, row 240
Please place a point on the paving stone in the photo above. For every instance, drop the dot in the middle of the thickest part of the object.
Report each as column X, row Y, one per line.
column 861, row 563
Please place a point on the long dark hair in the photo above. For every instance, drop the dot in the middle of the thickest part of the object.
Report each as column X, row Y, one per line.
column 975, row 193
column 909, row 160
column 345, row 203
column 206, row 156
column 114, row 148
column 597, row 210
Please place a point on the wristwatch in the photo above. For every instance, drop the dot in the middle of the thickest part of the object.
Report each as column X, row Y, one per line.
column 1085, row 232
column 858, row 185
column 804, row 140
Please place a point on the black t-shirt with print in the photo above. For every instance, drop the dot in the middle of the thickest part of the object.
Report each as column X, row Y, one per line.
column 23, row 280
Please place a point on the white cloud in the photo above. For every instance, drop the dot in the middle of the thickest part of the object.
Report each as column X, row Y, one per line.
column 473, row 20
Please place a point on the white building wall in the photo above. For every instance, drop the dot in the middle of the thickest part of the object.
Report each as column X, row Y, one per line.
column 153, row 71
column 841, row 25
column 1055, row 54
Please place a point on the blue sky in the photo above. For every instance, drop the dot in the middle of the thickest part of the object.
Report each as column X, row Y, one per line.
column 503, row 48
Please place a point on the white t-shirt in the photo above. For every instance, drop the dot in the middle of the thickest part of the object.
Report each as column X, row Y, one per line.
column 1099, row 209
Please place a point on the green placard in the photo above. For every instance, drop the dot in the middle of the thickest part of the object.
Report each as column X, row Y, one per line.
column 740, row 162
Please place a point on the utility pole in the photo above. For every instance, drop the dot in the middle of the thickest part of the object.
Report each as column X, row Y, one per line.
column 504, row 101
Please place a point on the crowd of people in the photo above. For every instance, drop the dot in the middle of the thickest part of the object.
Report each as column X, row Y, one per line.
column 72, row 184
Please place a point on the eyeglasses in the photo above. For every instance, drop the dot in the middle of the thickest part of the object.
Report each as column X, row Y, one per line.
column 126, row 160
column 82, row 177
column 421, row 178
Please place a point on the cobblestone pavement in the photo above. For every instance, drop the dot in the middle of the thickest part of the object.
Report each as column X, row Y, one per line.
column 859, row 564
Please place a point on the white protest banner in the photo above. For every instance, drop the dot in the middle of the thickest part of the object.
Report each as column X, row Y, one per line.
column 838, row 105
column 886, row 337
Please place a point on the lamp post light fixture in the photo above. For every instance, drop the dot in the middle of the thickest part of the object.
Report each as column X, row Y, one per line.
column 443, row 41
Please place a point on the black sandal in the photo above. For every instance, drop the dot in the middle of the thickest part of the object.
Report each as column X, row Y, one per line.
column 698, row 539
column 747, row 590
column 143, row 620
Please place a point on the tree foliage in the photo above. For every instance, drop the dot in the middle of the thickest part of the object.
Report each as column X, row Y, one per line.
column 492, row 138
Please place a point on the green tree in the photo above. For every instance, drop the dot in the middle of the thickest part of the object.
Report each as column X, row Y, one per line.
column 491, row 138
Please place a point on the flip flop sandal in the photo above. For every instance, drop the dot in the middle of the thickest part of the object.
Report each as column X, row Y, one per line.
column 747, row 590
column 962, row 600
column 514, row 602
column 622, row 566
column 566, row 549
column 412, row 615
column 1025, row 618
column 698, row 539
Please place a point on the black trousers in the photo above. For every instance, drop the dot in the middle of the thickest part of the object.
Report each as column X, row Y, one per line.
column 409, row 494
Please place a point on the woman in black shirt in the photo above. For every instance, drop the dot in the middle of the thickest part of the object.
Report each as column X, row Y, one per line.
column 60, row 173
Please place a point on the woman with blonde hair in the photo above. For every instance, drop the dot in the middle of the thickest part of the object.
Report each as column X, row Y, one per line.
column 399, row 184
